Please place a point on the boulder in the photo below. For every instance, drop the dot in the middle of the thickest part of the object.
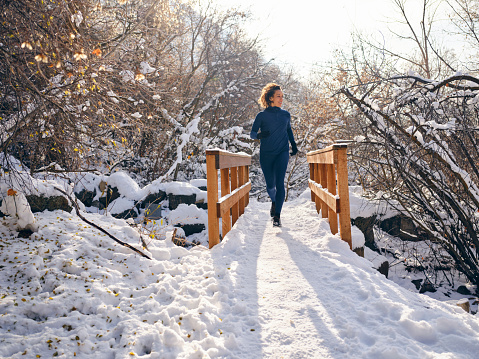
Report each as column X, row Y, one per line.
column 417, row 283
column 86, row 197
column 201, row 204
column 384, row 268
column 379, row 261
column 25, row 233
column 190, row 229
column 109, row 195
column 41, row 203
column 152, row 210
column 427, row 286
column 175, row 200
column 402, row 227
column 462, row 289
column 129, row 213
column 153, row 198
column 366, row 226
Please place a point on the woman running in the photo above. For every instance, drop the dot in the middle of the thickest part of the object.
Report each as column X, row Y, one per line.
column 275, row 126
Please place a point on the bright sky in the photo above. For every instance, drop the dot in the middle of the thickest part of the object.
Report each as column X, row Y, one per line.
column 304, row 32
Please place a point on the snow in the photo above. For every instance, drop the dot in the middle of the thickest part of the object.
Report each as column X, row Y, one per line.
column 362, row 207
column 77, row 18
column 264, row 292
column 146, row 68
column 128, row 188
column 199, row 182
column 187, row 214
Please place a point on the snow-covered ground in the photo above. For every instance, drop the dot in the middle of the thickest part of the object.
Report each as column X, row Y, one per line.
column 264, row 292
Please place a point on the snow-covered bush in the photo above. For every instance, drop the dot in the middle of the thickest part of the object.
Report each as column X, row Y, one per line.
column 418, row 150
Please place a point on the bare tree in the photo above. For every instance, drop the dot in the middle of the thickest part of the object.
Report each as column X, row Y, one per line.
column 418, row 151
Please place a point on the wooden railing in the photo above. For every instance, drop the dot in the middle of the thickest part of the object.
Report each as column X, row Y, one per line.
column 329, row 187
column 235, row 187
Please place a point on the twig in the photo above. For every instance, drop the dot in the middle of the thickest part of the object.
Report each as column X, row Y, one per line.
column 99, row 228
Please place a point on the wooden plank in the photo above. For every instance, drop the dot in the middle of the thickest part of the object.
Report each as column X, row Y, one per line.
column 226, row 202
column 333, row 217
column 311, row 176
column 225, row 190
column 332, row 201
column 323, row 158
column 241, row 182
column 326, row 155
column 317, row 200
column 228, row 161
column 246, row 179
column 334, row 147
column 212, row 195
column 323, row 181
column 218, row 151
column 234, row 185
column 225, row 159
column 343, row 191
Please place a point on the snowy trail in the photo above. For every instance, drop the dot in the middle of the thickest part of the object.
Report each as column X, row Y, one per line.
column 317, row 299
column 284, row 287
column 293, row 286
column 263, row 292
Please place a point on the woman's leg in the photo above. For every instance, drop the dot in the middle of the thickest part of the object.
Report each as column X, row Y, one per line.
column 280, row 167
column 267, row 163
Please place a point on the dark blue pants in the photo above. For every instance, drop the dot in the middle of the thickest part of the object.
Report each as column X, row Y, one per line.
column 274, row 170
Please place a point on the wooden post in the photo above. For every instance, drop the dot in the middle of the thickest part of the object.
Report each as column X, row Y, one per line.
column 343, row 191
column 234, row 185
column 317, row 177
column 225, row 189
column 230, row 205
column 246, row 179
column 323, row 180
column 333, row 217
column 311, row 175
column 241, row 180
column 212, row 195
column 329, row 169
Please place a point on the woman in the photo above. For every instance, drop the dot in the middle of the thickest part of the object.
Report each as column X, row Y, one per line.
column 275, row 126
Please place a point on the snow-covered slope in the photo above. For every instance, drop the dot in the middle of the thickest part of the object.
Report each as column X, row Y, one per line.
column 264, row 292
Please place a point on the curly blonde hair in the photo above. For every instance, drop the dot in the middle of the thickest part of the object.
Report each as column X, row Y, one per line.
column 268, row 92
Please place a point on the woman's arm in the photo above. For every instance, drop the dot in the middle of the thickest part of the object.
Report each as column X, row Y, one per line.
column 290, row 132
column 294, row 148
column 256, row 125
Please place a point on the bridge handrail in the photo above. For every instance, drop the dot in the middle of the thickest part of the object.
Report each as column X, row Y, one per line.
column 234, row 190
column 328, row 182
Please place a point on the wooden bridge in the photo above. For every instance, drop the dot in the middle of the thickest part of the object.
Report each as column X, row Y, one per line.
column 328, row 182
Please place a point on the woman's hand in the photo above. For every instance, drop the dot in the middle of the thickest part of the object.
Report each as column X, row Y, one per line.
column 294, row 149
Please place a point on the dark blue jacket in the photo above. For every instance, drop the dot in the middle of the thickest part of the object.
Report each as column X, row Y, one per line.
column 278, row 122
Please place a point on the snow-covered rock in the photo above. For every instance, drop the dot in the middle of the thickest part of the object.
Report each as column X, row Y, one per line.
column 15, row 205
